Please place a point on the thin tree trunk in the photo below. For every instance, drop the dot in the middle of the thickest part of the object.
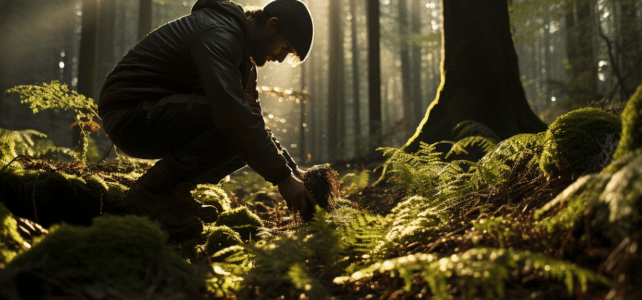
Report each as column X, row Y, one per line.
column 144, row 18
column 417, row 62
column 335, row 81
column 582, row 79
column 87, row 56
column 356, row 110
column 404, row 53
column 631, row 47
column 374, row 73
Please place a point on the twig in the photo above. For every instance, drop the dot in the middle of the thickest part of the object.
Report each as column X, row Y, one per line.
column 102, row 159
column 14, row 159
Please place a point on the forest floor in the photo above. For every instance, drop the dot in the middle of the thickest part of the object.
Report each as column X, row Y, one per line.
column 513, row 200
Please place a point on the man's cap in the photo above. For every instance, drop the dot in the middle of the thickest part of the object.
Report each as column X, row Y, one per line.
column 295, row 21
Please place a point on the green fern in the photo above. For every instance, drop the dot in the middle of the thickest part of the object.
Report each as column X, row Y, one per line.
column 14, row 142
column 57, row 96
column 481, row 271
column 485, row 144
column 473, row 128
column 352, row 182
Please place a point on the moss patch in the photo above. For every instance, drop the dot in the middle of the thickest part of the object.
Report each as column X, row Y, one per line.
column 211, row 194
column 119, row 248
column 221, row 237
column 631, row 137
column 242, row 220
column 11, row 243
column 572, row 142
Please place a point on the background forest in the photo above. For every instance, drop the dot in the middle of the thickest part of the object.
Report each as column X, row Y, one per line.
column 505, row 140
column 570, row 53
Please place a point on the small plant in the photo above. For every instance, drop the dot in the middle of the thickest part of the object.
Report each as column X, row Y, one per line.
column 57, row 96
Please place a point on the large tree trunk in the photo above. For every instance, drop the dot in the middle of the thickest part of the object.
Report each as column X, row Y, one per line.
column 335, row 82
column 480, row 76
column 582, row 81
column 374, row 73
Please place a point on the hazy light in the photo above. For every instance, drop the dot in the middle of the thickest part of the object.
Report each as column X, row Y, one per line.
column 270, row 116
column 74, row 82
column 293, row 145
column 601, row 77
column 553, row 98
column 62, row 65
column 62, row 54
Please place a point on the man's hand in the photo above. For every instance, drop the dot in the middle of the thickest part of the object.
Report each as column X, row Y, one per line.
column 296, row 195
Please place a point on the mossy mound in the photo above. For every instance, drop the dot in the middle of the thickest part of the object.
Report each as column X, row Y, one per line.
column 50, row 196
column 211, row 194
column 631, row 137
column 11, row 243
column 242, row 220
column 615, row 195
column 221, row 237
column 574, row 143
column 114, row 248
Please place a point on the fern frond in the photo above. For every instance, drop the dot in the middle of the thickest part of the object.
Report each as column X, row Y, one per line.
column 473, row 128
column 12, row 142
column 482, row 271
column 485, row 144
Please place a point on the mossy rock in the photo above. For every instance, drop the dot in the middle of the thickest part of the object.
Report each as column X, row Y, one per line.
column 242, row 220
column 11, row 243
column 211, row 194
column 573, row 141
column 221, row 237
column 631, row 137
column 114, row 248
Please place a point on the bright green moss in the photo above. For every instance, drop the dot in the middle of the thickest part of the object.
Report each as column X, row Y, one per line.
column 118, row 248
column 574, row 139
column 221, row 237
column 631, row 137
column 210, row 194
column 11, row 243
column 242, row 220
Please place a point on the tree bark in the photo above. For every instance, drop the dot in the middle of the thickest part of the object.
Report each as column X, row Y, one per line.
column 404, row 55
column 356, row 107
column 335, row 82
column 144, row 18
column 631, row 47
column 480, row 76
column 87, row 56
column 374, row 73
column 582, row 76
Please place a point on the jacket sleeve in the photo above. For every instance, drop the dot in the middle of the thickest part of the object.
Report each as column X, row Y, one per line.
column 217, row 54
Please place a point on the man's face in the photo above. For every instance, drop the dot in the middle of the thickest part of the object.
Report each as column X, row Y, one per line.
column 272, row 47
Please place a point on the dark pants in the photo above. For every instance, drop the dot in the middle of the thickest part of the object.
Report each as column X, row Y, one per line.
column 178, row 129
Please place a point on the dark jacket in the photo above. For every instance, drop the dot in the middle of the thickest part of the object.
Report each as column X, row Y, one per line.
column 208, row 53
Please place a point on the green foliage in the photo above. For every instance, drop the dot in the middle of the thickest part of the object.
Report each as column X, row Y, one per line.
column 575, row 139
column 57, row 96
column 631, row 137
column 249, row 182
column 352, row 182
column 613, row 195
column 496, row 226
column 242, row 220
column 417, row 218
column 472, row 128
column 211, row 194
column 221, row 237
column 485, row 144
column 294, row 260
column 119, row 248
column 480, row 271
column 11, row 243
column 495, row 166
column 14, row 142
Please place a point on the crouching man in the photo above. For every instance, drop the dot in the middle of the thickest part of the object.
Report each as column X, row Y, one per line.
column 186, row 94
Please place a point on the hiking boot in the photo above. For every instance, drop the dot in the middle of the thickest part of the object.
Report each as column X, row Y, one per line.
column 186, row 203
column 152, row 195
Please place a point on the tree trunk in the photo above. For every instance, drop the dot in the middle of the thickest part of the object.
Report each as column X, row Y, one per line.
column 480, row 76
column 631, row 47
column 87, row 56
column 416, row 92
column 356, row 108
column 335, row 81
column 582, row 77
column 106, row 42
column 404, row 55
column 144, row 18
column 374, row 73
